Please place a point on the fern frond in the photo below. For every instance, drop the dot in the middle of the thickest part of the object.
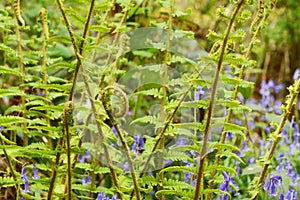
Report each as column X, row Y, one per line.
column 12, row 91
column 220, row 168
column 178, row 169
column 7, row 182
column 9, row 120
column 9, row 70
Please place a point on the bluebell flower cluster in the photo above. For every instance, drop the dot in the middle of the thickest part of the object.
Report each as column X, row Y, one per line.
column 272, row 184
column 138, row 144
column 225, row 186
column 102, row 196
column 25, row 178
column 268, row 91
column 290, row 195
column 83, row 158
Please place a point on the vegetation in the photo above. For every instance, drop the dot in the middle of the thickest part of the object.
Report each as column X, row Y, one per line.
column 149, row 99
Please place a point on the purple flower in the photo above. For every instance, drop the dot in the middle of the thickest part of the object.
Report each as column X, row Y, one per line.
column 296, row 74
column 86, row 181
column 24, row 177
column 280, row 167
column 126, row 167
column 245, row 147
column 199, row 93
column 82, row 158
column 229, row 135
column 141, row 143
column 187, row 175
column 101, row 196
column 35, row 173
column 114, row 197
column 238, row 170
column 251, row 161
column 113, row 129
column 291, row 195
column 261, row 147
column 225, row 186
column 295, row 178
column 138, row 144
column 281, row 197
column 289, row 167
column 292, row 149
column 271, row 185
column 285, row 136
column 264, row 89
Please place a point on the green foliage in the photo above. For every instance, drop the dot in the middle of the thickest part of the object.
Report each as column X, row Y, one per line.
column 174, row 97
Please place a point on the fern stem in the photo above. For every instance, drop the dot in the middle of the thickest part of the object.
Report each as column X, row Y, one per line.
column 123, row 20
column 203, row 152
column 81, row 46
column 234, row 96
column 66, row 122
column 18, row 17
column 44, row 19
column 123, row 141
column 293, row 93
column 102, row 137
column 10, row 165
column 161, row 134
column 167, row 54
column 55, row 168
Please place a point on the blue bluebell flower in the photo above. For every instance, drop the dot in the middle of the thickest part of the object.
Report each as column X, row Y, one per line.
column 251, row 161
column 245, row 147
column 265, row 88
column 291, row 195
column 82, row 158
column 24, row 178
column 126, row 167
column 271, row 185
column 261, row 147
column 114, row 197
column 199, row 93
column 296, row 74
column 295, row 178
column 225, row 186
column 86, row 181
column 281, row 197
column 138, row 143
column 187, row 175
column 280, row 167
column 35, row 173
column 292, row 149
column 289, row 167
column 229, row 135
column 277, row 107
column 238, row 167
column 285, row 136
column 101, row 196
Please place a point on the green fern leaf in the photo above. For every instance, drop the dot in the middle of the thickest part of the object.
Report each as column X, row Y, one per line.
column 7, row 182
column 226, row 146
column 58, row 87
column 220, row 168
column 9, row 120
column 8, row 70
column 12, row 91
column 178, row 169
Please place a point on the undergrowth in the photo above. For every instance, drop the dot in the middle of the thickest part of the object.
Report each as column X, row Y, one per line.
column 119, row 100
